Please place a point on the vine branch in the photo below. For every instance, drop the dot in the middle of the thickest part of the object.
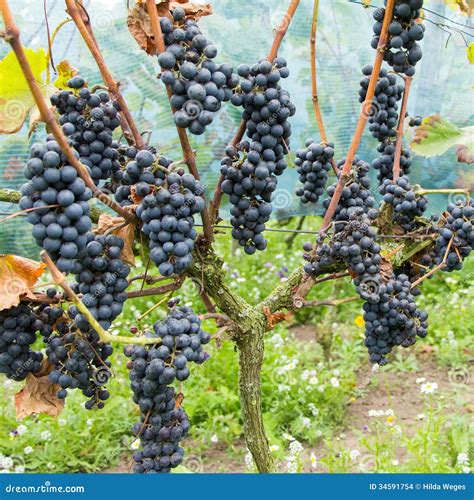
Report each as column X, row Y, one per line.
column 314, row 84
column 105, row 337
column 400, row 129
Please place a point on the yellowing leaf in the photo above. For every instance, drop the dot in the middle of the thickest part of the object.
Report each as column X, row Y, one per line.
column 459, row 5
column 17, row 278
column 359, row 321
column 470, row 53
column 15, row 96
column 65, row 72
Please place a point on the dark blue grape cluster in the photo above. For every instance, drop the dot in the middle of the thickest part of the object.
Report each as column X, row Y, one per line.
column 356, row 194
column 407, row 205
column 404, row 32
column 415, row 121
column 458, row 227
column 355, row 245
column 153, row 369
column 383, row 115
column 384, row 164
column 101, row 279
column 250, row 169
column 79, row 359
column 198, row 84
column 394, row 320
column 141, row 171
column 89, row 121
column 62, row 230
column 249, row 194
column 167, row 215
column 18, row 328
column 313, row 165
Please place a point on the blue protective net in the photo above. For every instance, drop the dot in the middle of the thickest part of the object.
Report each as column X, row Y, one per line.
column 243, row 33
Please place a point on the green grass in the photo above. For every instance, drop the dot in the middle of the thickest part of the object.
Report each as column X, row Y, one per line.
column 304, row 395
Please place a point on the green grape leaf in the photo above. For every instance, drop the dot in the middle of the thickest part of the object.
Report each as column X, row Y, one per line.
column 470, row 53
column 436, row 135
column 15, row 96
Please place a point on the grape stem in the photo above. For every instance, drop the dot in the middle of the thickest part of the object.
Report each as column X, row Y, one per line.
column 420, row 191
column 26, row 211
column 82, row 23
column 105, row 337
column 314, row 84
column 335, row 303
column 280, row 33
column 11, row 34
column 188, row 152
column 400, row 129
column 363, row 117
column 49, row 56
column 441, row 265
column 148, row 292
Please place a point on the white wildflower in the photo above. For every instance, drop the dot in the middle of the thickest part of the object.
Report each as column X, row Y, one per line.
column 274, row 447
column 314, row 460
column 6, row 463
column 420, row 416
column 354, row 454
column 306, row 421
column 296, row 447
column 21, row 429
column 463, row 459
column 45, row 435
column 334, row 382
column 28, row 450
column 429, row 387
column 214, row 438
column 135, row 445
column 19, row 469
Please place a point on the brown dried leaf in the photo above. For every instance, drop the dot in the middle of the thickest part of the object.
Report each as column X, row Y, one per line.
column 134, row 196
column 17, row 278
column 386, row 270
column 193, row 10
column 463, row 154
column 139, row 23
column 273, row 319
column 118, row 226
column 38, row 396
